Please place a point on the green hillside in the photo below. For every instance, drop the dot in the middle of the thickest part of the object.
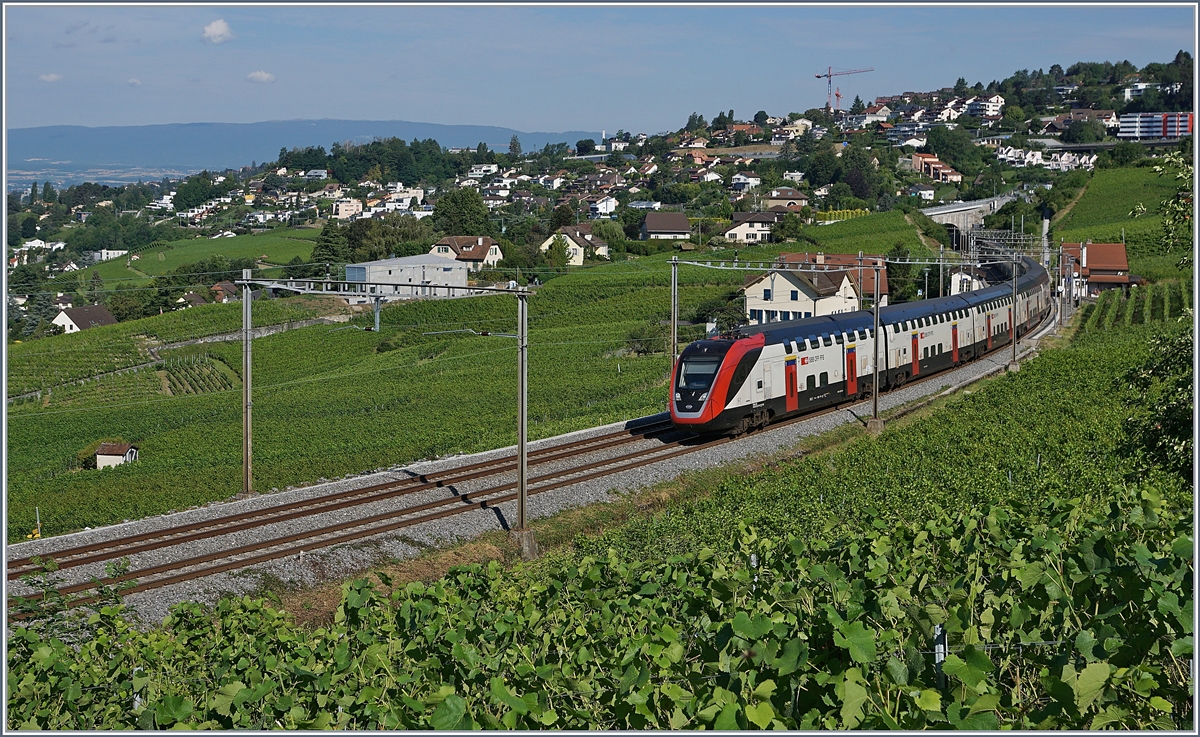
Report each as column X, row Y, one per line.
column 318, row 389
column 274, row 247
column 1102, row 215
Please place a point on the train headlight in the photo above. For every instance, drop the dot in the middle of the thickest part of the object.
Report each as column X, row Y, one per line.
column 703, row 396
column 677, row 397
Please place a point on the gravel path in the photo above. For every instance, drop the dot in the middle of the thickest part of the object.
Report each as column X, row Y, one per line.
column 345, row 560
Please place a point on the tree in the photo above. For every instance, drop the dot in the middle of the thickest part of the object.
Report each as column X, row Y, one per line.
column 787, row 229
column 839, row 197
column 857, row 106
column 557, row 253
column 608, row 231
column 462, row 212
column 331, row 247
column 960, row 87
column 48, row 194
column 126, row 307
column 514, row 147
column 33, row 193
column 95, row 288
column 1084, row 131
column 584, row 147
column 1126, row 153
column 902, row 284
column 562, row 215
column 25, row 279
column 761, row 117
column 29, row 227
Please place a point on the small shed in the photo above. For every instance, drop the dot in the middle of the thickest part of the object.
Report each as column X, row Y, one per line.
column 114, row 454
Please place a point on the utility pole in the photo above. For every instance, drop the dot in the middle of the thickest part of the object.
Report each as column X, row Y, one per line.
column 875, row 424
column 941, row 269
column 674, row 310
column 377, row 313
column 525, row 538
column 1013, row 366
column 247, row 480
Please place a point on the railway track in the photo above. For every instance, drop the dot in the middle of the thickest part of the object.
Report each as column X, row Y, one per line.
column 359, row 528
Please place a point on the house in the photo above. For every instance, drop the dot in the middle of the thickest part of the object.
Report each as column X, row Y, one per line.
column 645, row 205
column 346, row 208
column 482, row 170
column 104, row 254
column 602, row 206
column 967, row 279
column 785, row 196
column 1139, row 88
column 924, row 191
column 980, row 107
column 822, row 191
column 745, row 180
column 751, row 227
column 698, row 143
column 1099, row 266
column 863, row 278
column 475, row 251
column 316, row 175
column 665, row 225
column 83, row 318
column 580, row 241
column 114, row 454
column 225, row 291
column 794, row 176
column 191, row 299
column 407, row 277
column 790, row 295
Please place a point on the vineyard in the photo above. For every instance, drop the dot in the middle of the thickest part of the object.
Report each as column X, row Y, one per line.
column 1155, row 302
column 1011, row 520
column 55, row 360
column 197, row 376
column 833, row 216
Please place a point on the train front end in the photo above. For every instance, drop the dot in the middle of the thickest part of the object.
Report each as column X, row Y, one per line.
column 700, row 384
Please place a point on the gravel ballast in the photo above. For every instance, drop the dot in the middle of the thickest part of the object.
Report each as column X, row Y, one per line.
column 342, row 561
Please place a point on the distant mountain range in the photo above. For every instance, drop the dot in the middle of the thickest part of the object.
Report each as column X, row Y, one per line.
column 68, row 154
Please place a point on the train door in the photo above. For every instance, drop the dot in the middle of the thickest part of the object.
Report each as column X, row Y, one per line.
column 851, row 371
column 954, row 342
column 989, row 331
column 789, row 372
column 767, row 388
column 916, row 357
column 1012, row 326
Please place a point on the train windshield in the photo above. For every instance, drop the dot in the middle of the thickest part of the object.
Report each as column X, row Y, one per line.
column 698, row 372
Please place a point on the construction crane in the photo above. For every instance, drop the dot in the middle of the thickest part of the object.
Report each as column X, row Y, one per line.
column 828, row 77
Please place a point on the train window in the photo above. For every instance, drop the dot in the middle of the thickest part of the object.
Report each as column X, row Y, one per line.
column 939, row 349
column 926, row 352
column 827, row 340
column 837, row 338
column 824, row 378
column 811, row 383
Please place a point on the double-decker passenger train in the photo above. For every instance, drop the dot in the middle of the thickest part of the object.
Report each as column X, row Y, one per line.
column 743, row 381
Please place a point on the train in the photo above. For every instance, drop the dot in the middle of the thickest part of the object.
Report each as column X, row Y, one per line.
column 755, row 375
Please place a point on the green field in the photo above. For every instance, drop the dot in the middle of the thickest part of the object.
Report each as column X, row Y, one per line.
column 274, row 247
column 331, row 400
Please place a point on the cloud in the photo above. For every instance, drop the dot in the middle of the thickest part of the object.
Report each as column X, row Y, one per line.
column 74, row 27
column 135, row 82
column 217, row 32
column 260, row 77
column 50, row 77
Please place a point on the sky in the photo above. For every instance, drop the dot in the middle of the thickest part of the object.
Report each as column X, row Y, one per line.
column 642, row 69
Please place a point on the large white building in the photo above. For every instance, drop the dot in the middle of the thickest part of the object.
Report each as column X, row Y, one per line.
column 424, row 275
column 1137, row 126
column 788, row 295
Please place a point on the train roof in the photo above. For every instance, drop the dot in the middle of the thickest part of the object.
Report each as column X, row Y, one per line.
column 846, row 322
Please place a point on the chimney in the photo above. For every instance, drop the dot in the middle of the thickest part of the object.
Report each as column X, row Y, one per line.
column 479, row 242
column 820, row 257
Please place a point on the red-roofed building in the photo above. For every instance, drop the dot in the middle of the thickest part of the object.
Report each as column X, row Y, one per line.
column 1099, row 266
